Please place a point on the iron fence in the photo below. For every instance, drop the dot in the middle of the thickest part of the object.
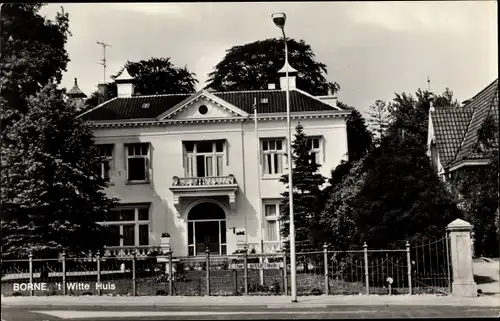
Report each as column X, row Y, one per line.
column 418, row 269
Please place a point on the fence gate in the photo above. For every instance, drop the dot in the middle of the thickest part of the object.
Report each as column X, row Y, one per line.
column 431, row 268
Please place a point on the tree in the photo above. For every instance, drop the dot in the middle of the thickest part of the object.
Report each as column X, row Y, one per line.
column 379, row 119
column 402, row 198
column 52, row 193
column 391, row 195
column 307, row 183
column 338, row 214
column 359, row 138
column 33, row 55
column 253, row 66
column 155, row 76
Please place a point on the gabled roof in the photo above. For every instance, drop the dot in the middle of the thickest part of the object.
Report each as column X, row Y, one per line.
column 483, row 104
column 456, row 129
column 268, row 102
column 202, row 93
column 450, row 125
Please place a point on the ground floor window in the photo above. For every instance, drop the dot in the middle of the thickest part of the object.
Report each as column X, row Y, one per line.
column 271, row 221
column 128, row 225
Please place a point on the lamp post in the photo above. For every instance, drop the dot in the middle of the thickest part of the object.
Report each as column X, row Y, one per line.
column 279, row 20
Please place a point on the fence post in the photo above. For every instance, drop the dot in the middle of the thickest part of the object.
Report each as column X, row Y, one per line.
column 325, row 262
column 461, row 259
column 235, row 281
column 207, row 268
column 98, row 262
column 63, row 259
column 367, row 278
column 30, row 267
column 245, row 270
column 134, row 285
column 408, row 262
column 285, row 273
column 170, row 273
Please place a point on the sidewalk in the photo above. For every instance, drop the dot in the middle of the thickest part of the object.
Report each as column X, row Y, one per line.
column 252, row 301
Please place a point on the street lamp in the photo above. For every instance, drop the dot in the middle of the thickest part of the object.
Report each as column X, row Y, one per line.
column 279, row 20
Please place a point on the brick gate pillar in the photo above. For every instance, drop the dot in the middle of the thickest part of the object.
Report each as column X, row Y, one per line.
column 463, row 284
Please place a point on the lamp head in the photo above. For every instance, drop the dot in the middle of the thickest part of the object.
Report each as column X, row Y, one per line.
column 279, row 19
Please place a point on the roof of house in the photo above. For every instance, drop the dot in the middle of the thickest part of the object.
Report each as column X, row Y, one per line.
column 456, row 129
column 127, row 108
column 75, row 91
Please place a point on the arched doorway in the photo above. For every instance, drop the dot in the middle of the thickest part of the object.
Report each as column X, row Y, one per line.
column 206, row 229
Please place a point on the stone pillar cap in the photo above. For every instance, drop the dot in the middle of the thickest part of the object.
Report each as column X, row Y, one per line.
column 459, row 225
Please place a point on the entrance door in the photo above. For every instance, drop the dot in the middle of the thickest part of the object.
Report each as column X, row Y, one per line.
column 206, row 229
column 207, row 236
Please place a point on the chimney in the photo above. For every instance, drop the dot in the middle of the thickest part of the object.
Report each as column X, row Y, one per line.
column 271, row 86
column 103, row 93
column 292, row 75
column 76, row 96
column 124, row 84
column 329, row 99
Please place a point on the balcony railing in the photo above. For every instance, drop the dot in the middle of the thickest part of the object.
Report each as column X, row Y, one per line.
column 204, row 181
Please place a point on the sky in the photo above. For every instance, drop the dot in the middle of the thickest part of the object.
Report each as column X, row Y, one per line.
column 372, row 49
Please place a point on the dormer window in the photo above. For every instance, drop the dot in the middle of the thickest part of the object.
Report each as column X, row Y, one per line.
column 264, row 101
column 145, row 105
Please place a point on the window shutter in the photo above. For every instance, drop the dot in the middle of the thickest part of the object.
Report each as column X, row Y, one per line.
column 323, row 145
column 184, row 156
column 226, row 152
column 148, row 167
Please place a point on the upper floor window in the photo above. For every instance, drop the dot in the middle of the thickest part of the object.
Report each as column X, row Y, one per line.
column 272, row 156
column 313, row 143
column 128, row 225
column 106, row 151
column 271, row 221
column 204, row 158
column 137, row 162
column 434, row 156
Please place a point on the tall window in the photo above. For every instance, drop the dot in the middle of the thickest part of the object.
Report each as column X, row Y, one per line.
column 272, row 152
column 271, row 224
column 128, row 225
column 434, row 156
column 106, row 151
column 204, row 159
column 313, row 143
column 137, row 162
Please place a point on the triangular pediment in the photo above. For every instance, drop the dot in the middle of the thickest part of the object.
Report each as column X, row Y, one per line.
column 202, row 105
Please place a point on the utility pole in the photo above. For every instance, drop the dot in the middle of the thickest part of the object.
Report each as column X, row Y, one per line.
column 103, row 60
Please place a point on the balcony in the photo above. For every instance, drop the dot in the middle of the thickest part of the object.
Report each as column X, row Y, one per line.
column 204, row 187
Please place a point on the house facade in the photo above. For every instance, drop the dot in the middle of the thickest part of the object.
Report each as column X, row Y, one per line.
column 205, row 167
column 453, row 132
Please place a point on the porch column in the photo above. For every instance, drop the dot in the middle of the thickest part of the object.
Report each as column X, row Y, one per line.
column 463, row 284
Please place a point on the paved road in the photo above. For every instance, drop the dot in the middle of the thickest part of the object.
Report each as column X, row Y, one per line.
column 242, row 313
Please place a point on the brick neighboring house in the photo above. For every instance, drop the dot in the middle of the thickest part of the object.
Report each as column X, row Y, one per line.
column 453, row 132
column 188, row 164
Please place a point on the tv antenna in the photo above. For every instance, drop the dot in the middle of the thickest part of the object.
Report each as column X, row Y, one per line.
column 428, row 83
column 103, row 60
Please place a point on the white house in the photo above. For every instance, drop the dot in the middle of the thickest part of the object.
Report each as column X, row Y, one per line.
column 188, row 164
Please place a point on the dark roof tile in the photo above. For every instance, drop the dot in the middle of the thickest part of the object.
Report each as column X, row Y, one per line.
column 131, row 108
column 456, row 129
